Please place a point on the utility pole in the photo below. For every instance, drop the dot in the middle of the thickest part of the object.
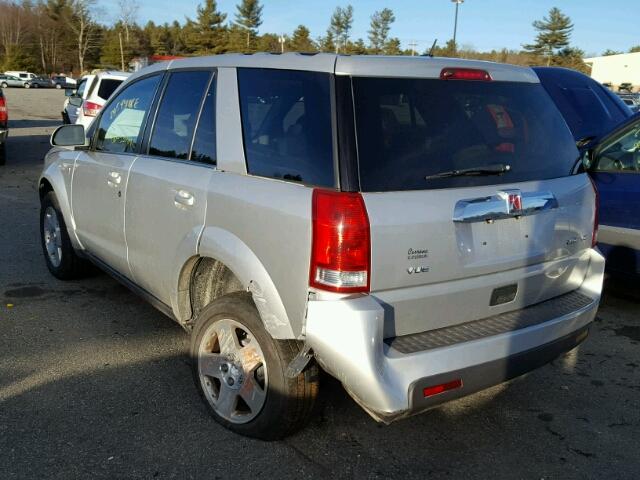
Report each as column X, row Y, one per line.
column 281, row 39
column 413, row 46
column 455, row 24
column 121, row 52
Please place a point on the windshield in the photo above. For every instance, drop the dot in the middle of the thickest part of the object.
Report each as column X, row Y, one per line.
column 410, row 129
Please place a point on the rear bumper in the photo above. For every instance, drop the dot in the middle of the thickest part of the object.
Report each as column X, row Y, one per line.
column 347, row 338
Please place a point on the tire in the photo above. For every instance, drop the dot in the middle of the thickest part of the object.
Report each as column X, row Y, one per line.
column 66, row 265
column 35, row 85
column 277, row 406
column 58, row 86
column 5, row 85
column 3, row 153
column 27, row 85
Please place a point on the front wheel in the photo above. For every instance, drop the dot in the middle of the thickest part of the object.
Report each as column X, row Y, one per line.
column 62, row 260
column 26, row 85
column 58, row 86
column 239, row 370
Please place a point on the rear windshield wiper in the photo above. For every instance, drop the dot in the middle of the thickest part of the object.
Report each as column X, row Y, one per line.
column 494, row 169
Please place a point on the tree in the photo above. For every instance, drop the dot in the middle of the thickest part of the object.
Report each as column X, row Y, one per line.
column 127, row 15
column 207, row 34
column 554, row 33
column 327, row 43
column 608, row 52
column 635, row 49
column 301, row 40
column 392, row 47
column 379, row 31
column 81, row 22
column 340, row 27
column 249, row 17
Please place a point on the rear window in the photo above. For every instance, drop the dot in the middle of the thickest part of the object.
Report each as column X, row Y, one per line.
column 408, row 129
column 107, row 87
column 286, row 125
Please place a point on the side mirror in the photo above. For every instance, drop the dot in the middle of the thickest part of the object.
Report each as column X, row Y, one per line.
column 69, row 92
column 69, row 136
column 75, row 101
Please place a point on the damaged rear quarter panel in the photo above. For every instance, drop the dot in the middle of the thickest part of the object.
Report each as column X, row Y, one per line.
column 261, row 229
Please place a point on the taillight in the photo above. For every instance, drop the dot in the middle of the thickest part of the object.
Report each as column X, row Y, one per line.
column 596, row 216
column 341, row 243
column 452, row 73
column 4, row 113
column 90, row 109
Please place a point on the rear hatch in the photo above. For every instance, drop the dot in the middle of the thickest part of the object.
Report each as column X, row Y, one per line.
column 472, row 203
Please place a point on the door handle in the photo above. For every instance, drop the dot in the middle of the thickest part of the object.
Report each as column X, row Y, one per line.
column 114, row 179
column 183, row 199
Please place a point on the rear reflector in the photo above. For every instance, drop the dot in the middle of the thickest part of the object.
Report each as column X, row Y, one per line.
column 91, row 109
column 452, row 73
column 341, row 244
column 596, row 216
column 443, row 387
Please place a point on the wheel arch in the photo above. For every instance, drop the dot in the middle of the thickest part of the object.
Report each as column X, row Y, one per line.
column 225, row 264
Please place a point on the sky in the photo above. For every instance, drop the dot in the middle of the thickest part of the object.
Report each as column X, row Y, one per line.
column 482, row 24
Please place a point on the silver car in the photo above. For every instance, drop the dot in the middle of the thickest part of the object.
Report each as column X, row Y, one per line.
column 11, row 81
column 419, row 228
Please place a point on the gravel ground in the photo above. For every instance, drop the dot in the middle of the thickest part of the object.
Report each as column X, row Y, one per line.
column 94, row 383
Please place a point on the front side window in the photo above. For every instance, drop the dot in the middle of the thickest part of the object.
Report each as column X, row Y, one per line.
column 177, row 115
column 286, row 125
column 409, row 129
column 122, row 120
column 622, row 154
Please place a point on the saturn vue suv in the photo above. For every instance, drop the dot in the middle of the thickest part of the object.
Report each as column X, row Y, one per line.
column 418, row 228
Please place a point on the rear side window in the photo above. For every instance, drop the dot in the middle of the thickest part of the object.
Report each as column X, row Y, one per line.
column 408, row 129
column 107, row 87
column 286, row 125
column 177, row 115
column 204, row 144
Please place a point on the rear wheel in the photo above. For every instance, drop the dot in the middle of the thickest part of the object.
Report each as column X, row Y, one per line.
column 5, row 85
column 27, row 85
column 239, row 370
column 62, row 260
column 58, row 86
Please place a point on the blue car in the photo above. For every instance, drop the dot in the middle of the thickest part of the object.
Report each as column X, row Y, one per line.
column 608, row 134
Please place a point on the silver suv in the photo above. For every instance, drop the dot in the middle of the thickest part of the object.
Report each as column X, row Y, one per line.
column 419, row 228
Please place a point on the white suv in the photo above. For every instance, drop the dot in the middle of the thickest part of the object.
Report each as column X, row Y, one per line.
column 83, row 104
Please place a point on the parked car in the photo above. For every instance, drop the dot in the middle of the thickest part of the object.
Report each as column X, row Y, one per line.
column 605, row 129
column 26, row 76
column 10, row 81
column 84, row 103
column 631, row 100
column 4, row 128
column 61, row 81
column 417, row 227
column 39, row 82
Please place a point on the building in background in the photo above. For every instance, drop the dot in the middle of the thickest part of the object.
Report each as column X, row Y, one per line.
column 617, row 70
column 139, row 63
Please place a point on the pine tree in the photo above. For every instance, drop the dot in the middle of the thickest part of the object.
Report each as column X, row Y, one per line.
column 207, row 33
column 392, row 47
column 340, row 27
column 327, row 43
column 249, row 17
column 379, row 31
column 554, row 33
column 301, row 40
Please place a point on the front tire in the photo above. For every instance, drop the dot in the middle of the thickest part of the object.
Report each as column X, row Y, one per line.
column 239, row 370
column 60, row 257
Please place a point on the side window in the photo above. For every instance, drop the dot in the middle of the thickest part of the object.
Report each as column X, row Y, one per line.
column 204, row 145
column 622, row 154
column 286, row 124
column 81, row 88
column 177, row 115
column 122, row 120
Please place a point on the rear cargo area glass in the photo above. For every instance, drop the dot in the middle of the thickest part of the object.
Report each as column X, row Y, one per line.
column 408, row 129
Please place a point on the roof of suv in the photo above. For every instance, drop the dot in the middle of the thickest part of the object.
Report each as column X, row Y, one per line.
column 357, row 65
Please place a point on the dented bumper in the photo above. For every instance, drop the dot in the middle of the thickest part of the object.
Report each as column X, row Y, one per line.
column 388, row 382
